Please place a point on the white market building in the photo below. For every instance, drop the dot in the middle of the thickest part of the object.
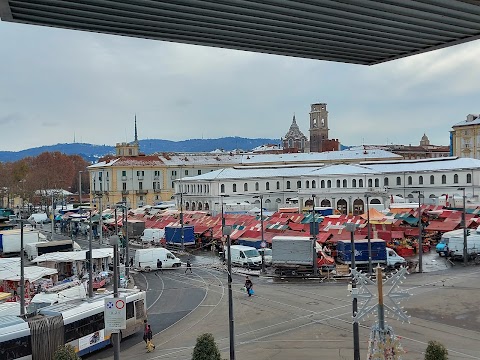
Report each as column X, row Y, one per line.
column 342, row 186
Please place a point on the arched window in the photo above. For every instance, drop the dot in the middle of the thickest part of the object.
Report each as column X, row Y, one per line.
column 245, row 187
column 234, row 188
column 444, row 179
column 299, row 184
column 314, row 184
column 267, row 186
column 420, row 180
column 455, row 179
column 385, row 181
column 354, row 183
column 338, row 183
column 322, row 184
column 288, row 184
column 257, row 186
column 370, row 183
column 469, row 178
column 278, row 185
column 399, row 180
column 344, row 183
column 307, row 184
column 222, row 188
column 377, row 182
column 290, row 143
column 409, row 180
column 329, row 183
column 432, row 179
column 360, row 183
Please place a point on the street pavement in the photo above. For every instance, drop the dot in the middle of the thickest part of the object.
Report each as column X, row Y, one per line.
column 302, row 319
column 306, row 319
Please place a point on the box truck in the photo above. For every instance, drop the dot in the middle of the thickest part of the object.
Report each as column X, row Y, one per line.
column 10, row 240
column 173, row 235
column 381, row 255
column 293, row 255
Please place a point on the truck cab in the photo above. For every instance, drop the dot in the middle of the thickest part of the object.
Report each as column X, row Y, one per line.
column 394, row 260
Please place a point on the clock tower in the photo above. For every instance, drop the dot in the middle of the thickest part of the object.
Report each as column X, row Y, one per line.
column 318, row 127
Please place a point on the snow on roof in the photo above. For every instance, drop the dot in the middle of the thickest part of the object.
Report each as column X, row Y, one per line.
column 70, row 256
column 10, row 270
column 439, row 164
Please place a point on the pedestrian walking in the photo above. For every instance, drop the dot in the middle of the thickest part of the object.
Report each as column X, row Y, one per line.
column 189, row 267
column 146, row 327
column 150, row 344
column 131, row 261
column 249, row 286
column 159, row 266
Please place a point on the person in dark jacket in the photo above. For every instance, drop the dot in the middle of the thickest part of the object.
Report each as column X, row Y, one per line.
column 189, row 266
column 159, row 266
column 248, row 286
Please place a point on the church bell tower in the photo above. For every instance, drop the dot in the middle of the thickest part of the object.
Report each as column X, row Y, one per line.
column 318, row 126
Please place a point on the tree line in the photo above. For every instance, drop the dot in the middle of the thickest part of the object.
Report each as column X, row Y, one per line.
column 28, row 177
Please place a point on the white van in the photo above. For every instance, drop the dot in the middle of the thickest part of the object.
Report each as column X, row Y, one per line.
column 246, row 256
column 455, row 245
column 38, row 218
column 152, row 235
column 146, row 259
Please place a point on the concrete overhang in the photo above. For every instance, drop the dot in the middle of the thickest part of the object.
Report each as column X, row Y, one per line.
column 352, row 31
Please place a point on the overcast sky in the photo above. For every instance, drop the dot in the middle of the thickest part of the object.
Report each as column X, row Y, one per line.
column 56, row 84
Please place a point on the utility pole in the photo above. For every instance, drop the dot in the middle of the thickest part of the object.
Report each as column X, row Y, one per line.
column 90, row 265
column 181, row 220
column 369, row 237
column 22, row 272
column 80, row 187
column 314, row 238
column 53, row 218
column 420, row 235
column 115, row 336
column 356, row 338
column 101, row 220
column 227, row 230
column 127, row 247
column 464, row 225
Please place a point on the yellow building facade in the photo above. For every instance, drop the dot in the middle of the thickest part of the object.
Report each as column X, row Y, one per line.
column 466, row 137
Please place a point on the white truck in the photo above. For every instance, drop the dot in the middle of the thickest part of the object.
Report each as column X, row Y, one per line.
column 10, row 240
column 146, row 259
column 245, row 256
column 152, row 235
column 44, row 247
column 454, row 245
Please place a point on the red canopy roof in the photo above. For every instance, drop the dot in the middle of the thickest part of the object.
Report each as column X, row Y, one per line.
column 443, row 226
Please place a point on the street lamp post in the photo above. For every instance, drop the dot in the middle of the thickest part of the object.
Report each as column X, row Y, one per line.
column 314, row 238
column 263, row 245
column 369, row 236
column 90, row 265
column 22, row 272
column 115, row 336
column 464, row 225
column 182, row 230
column 80, row 187
column 420, row 235
column 227, row 230
column 356, row 338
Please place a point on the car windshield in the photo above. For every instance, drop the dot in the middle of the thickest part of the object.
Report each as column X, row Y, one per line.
column 251, row 253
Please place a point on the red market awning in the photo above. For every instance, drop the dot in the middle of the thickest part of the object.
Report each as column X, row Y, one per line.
column 443, row 226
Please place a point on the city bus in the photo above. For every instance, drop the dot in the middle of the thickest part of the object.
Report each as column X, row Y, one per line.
column 79, row 323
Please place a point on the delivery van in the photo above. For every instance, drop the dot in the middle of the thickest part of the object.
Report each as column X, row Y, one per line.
column 146, row 259
column 246, row 256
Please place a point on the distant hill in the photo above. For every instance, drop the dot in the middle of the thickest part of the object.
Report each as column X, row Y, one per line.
column 92, row 152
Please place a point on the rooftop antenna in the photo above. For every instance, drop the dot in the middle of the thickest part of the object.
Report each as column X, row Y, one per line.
column 74, row 137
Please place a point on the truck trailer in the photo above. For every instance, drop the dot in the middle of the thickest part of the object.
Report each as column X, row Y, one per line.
column 10, row 240
column 293, row 255
column 381, row 255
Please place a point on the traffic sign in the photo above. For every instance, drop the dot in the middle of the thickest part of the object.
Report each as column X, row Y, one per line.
column 263, row 244
column 115, row 314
